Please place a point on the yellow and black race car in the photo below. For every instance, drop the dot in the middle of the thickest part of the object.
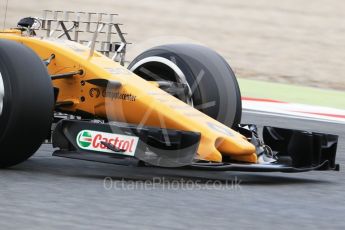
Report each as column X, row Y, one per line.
column 173, row 106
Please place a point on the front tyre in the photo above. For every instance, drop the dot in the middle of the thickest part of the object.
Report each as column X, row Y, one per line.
column 26, row 103
column 212, row 84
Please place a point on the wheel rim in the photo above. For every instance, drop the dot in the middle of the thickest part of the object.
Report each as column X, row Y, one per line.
column 181, row 78
column 2, row 93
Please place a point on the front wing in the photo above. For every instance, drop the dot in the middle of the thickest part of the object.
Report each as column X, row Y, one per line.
column 125, row 144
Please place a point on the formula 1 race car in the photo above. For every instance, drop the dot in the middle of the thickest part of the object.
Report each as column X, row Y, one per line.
column 176, row 106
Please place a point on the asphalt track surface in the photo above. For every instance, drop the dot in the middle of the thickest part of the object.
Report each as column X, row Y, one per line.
column 55, row 193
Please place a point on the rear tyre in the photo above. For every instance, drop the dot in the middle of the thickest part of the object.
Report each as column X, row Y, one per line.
column 26, row 103
column 213, row 86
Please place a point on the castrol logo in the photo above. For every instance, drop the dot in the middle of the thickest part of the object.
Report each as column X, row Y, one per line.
column 92, row 141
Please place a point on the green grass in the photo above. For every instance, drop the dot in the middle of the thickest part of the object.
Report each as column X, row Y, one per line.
column 292, row 93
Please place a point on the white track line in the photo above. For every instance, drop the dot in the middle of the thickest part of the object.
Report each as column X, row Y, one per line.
column 249, row 111
column 291, row 110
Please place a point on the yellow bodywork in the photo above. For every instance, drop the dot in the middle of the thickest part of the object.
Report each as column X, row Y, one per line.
column 137, row 101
